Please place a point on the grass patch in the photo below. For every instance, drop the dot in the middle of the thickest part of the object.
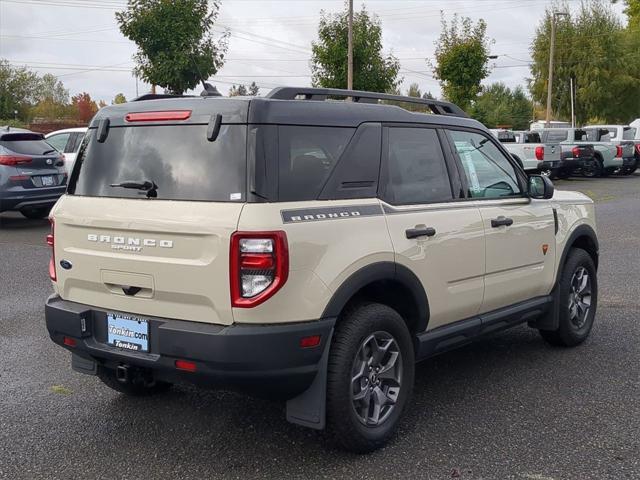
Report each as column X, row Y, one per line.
column 61, row 390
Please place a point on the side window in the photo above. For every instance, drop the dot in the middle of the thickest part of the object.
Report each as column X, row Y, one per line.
column 489, row 173
column 307, row 156
column 58, row 141
column 74, row 145
column 416, row 171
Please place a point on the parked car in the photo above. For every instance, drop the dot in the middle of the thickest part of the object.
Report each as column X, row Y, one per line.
column 306, row 249
column 32, row 175
column 621, row 135
column 533, row 155
column 67, row 142
column 591, row 158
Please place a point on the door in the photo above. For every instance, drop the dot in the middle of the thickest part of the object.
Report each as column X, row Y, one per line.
column 438, row 238
column 519, row 231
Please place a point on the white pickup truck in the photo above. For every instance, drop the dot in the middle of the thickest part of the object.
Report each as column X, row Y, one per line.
column 530, row 152
column 623, row 137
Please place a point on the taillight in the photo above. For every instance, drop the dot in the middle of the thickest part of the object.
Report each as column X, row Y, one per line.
column 540, row 153
column 618, row 150
column 161, row 116
column 575, row 151
column 638, row 148
column 259, row 266
column 13, row 160
column 52, row 260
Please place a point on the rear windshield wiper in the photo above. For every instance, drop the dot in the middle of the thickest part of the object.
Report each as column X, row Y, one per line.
column 146, row 186
column 49, row 151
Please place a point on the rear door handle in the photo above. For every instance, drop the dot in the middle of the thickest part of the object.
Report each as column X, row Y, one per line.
column 501, row 221
column 420, row 232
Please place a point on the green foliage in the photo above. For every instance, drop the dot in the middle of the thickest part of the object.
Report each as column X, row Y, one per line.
column 594, row 49
column 632, row 11
column 414, row 91
column 52, row 98
column 239, row 91
column 118, row 99
column 372, row 71
column 254, row 90
column 462, row 59
column 176, row 49
column 18, row 91
column 498, row 105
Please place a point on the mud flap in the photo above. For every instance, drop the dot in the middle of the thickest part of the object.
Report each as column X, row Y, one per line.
column 309, row 408
column 83, row 365
column 551, row 319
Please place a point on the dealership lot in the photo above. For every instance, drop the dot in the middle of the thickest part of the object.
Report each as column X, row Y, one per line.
column 509, row 406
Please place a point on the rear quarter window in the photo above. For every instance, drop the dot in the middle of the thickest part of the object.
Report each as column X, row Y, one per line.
column 177, row 158
column 306, row 158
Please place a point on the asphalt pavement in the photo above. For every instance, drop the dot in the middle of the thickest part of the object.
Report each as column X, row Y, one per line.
column 507, row 407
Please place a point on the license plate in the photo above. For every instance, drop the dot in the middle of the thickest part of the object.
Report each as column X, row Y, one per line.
column 128, row 333
column 47, row 181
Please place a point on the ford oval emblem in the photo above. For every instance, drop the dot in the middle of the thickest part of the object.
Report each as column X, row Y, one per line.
column 66, row 264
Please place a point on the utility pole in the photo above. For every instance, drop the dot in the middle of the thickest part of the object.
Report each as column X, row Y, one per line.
column 573, row 117
column 350, row 49
column 551, row 53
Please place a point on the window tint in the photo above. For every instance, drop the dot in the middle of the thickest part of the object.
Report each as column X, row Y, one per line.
column 532, row 137
column 179, row 159
column 416, row 171
column 26, row 144
column 489, row 173
column 628, row 133
column 58, row 141
column 555, row 136
column 307, row 156
column 74, row 145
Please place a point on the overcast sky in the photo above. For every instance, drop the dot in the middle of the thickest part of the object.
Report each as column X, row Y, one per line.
column 269, row 43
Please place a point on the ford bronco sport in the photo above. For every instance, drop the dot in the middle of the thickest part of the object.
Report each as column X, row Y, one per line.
column 307, row 248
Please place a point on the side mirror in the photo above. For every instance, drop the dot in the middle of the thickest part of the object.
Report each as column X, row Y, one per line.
column 540, row 187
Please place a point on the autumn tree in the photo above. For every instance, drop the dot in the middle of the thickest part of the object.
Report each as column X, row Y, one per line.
column 462, row 59
column 372, row 69
column 84, row 108
column 176, row 48
column 52, row 99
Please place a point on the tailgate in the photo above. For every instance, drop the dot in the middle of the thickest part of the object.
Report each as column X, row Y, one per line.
column 175, row 255
column 552, row 152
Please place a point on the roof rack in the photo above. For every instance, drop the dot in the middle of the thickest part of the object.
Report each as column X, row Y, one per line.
column 157, row 96
column 321, row 94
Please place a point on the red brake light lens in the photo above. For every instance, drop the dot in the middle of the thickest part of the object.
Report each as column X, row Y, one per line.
column 618, row 150
column 186, row 365
column 540, row 153
column 575, row 151
column 13, row 160
column 161, row 116
column 310, row 342
column 69, row 342
column 259, row 266
column 52, row 260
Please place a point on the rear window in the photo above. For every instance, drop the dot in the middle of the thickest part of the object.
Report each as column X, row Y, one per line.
column 554, row 136
column 26, row 144
column 307, row 156
column 532, row 137
column 506, row 137
column 628, row 133
column 178, row 159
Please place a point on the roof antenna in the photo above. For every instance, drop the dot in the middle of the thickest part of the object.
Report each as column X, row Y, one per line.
column 209, row 90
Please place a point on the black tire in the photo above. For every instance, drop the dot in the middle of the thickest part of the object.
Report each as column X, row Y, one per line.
column 630, row 169
column 572, row 331
column 345, row 424
column 136, row 388
column 36, row 213
column 595, row 169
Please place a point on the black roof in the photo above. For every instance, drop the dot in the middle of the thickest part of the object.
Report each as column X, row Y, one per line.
column 295, row 106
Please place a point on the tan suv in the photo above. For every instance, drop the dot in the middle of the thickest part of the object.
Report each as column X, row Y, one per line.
column 306, row 248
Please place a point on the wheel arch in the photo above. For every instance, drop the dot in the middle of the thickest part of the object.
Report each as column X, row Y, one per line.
column 584, row 237
column 388, row 283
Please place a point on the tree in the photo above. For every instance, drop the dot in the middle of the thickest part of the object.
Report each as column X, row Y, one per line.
column 239, row 91
column 118, row 99
column 428, row 95
column 18, row 91
column 254, row 90
column 498, row 105
column 462, row 58
column 84, row 107
column 176, row 49
column 414, row 91
column 372, row 70
column 52, row 97
column 593, row 50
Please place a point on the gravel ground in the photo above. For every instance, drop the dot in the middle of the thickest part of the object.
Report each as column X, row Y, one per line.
column 509, row 406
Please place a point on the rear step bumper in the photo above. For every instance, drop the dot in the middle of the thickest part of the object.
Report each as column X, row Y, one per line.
column 265, row 360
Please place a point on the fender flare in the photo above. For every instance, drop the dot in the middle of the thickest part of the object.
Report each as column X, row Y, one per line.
column 582, row 230
column 375, row 272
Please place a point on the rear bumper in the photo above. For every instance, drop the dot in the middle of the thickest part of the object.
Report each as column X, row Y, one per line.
column 264, row 360
column 550, row 164
column 577, row 162
column 26, row 199
column 627, row 161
